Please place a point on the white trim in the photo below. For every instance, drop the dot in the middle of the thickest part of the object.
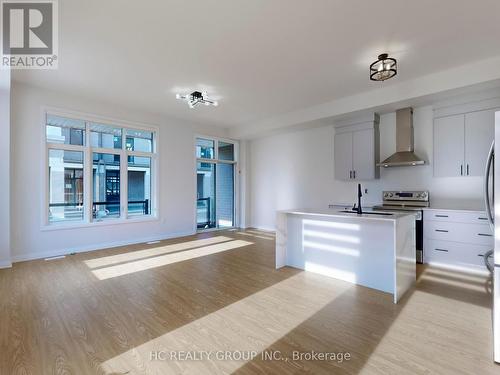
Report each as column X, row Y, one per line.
column 214, row 229
column 114, row 122
column 89, row 248
column 95, row 224
column 264, row 229
column 5, row 264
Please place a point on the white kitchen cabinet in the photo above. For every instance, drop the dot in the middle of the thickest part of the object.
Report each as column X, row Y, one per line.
column 343, row 156
column 363, row 156
column 479, row 133
column 449, row 146
column 454, row 238
column 462, row 142
column 356, row 152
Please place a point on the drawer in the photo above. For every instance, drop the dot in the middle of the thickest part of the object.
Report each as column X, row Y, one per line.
column 472, row 217
column 459, row 232
column 454, row 253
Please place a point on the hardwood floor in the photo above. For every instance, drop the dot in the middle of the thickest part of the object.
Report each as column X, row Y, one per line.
column 128, row 310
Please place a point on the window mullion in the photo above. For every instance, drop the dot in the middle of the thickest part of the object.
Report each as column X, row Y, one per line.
column 87, row 174
column 124, row 177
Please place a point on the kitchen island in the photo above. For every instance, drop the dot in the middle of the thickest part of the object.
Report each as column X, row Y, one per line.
column 374, row 249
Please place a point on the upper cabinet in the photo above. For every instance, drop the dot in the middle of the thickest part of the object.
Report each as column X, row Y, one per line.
column 462, row 142
column 479, row 133
column 356, row 151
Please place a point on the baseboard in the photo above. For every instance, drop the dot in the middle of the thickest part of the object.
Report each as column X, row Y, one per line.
column 5, row 264
column 83, row 249
column 265, row 229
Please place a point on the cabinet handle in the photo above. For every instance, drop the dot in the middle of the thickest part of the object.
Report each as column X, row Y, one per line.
column 354, row 174
column 441, row 215
column 467, row 169
column 461, row 170
column 442, row 230
column 350, row 174
column 443, row 250
column 482, row 218
column 485, row 235
column 480, row 255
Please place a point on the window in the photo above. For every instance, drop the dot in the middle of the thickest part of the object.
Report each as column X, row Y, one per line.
column 104, row 136
column 65, row 130
column 205, row 148
column 138, row 140
column 105, row 187
column 65, row 186
column 226, row 151
column 139, row 186
column 120, row 159
column 215, row 176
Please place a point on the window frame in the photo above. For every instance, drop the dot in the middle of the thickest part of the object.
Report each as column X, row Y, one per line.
column 236, row 179
column 88, row 151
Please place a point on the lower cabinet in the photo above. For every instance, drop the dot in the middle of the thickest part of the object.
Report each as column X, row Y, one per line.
column 456, row 238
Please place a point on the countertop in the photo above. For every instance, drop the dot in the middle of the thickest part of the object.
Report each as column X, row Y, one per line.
column 337, row 212
column 456, row 205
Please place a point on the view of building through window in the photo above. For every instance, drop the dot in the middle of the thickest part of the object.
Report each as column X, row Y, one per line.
column 67, row 146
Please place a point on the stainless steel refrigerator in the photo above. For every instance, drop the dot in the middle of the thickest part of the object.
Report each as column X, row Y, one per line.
column 492, row 174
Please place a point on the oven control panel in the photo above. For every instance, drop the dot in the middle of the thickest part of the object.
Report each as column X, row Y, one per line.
column 419, row 196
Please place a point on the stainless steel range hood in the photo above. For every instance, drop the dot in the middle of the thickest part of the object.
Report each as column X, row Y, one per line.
column 404, row 155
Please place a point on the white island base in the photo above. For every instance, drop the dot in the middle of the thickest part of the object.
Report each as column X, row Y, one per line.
column 370, row 250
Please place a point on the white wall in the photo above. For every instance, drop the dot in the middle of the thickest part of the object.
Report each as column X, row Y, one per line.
column 4, row 168
column 176, row 185
column 294, row 170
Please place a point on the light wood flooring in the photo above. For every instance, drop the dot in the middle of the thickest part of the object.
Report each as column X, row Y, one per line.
column 113, row 311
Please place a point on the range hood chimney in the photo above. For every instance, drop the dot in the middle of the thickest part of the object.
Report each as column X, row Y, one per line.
column 404, row 155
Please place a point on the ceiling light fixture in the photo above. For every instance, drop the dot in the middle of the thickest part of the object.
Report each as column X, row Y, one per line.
column 384, row 68
column 195, row 98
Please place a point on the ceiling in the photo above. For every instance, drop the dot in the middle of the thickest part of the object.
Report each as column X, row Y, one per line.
column 259, row 58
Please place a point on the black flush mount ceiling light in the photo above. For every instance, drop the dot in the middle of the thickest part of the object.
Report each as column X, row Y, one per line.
column 384, row 68
column 195, row 98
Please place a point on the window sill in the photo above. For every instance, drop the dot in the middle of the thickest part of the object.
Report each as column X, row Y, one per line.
column 97, row 224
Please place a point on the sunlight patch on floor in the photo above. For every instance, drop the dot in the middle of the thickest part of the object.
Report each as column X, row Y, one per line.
column 252, row 324
column 140, row 254
column 468, row 340
column 261, row 232
column 460, row 280
column 255, row 236
column 163, row 260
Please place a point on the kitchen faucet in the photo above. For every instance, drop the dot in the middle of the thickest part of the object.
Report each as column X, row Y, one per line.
column 358, row 209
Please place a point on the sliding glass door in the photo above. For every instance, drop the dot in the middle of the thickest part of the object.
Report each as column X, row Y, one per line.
column 215, row 177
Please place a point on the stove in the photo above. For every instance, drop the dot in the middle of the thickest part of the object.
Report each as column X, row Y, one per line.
column 409, row 201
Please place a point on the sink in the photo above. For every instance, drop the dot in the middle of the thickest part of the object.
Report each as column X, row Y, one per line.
column 368, row 213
